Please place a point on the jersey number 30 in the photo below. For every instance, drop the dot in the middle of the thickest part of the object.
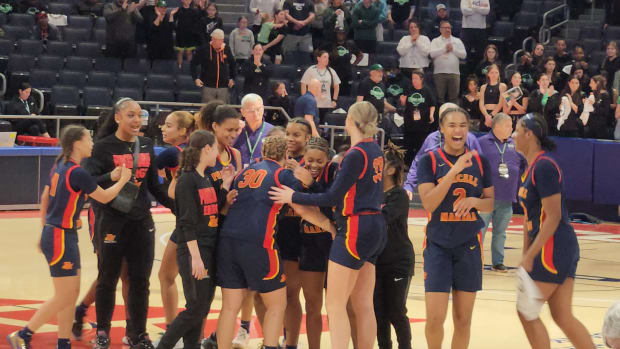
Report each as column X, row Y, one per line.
column 377, row 165
column 252, row 178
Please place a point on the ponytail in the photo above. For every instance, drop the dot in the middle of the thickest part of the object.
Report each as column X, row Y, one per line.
column 106, row 118
column 190, row 156
column 548, row 144
column 68, row 136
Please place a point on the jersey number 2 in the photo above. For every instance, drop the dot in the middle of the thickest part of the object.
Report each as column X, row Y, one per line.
column 252, row 178
column 460, row 194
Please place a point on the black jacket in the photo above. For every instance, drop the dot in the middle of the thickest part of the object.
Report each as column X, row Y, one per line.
column 256, row 78
column 549, row 111
column 397, row 258
column 17, row 107
column 216, row 67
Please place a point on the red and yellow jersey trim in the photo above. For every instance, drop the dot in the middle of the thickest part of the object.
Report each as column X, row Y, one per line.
column 352, row 234
column 546, row 255
column 74, row 196
column 59, row 246
column 274, row 264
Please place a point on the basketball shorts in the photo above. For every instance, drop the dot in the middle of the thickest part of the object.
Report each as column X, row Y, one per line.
column 557, row 260
column 60, row 247
column 359, row 239
column 458, row 268
column 315, row 251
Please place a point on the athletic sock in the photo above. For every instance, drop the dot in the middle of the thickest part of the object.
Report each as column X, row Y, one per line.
column 245, row 325
column 25, row 333
column 268, row 347
column 291, row 347
column 64, row 343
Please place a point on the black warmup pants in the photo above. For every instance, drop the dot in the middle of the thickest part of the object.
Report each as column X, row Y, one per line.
column 413, row 142
column 390, row 301
column 475, row 41
column 198, row 296
column 133, row 240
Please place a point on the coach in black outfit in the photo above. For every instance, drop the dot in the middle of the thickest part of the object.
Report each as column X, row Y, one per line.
column 24, row 104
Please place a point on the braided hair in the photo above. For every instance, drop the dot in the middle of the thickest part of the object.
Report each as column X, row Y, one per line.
column 395, row 157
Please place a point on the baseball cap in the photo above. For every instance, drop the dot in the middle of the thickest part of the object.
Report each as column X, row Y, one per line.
column 376, row 66
column 161, row 3
column 440, row 7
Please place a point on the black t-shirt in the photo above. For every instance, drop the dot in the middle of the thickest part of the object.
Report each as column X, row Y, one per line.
column 400, row 9
column 396, row 87
column 207, row 25
column 418, row 101
column 373, row 92
column 340, row 59
column 186, row 20
column 526, row 94
column 277, row 48
column 397, row 258
column 300, row 10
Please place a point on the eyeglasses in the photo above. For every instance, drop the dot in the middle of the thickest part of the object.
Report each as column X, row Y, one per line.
column 255, row 110
column 445, row 27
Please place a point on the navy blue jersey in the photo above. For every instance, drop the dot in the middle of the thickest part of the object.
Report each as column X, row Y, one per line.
column 215, row 173
column 253, row 217
column 289, row 220
column 69, row 184
column 444, row 227
column 542, row 179
column 321, row 185
column 358, row 187
column 168, row 160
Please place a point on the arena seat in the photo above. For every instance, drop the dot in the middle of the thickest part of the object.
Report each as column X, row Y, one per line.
column 62, row 8
column 158, row 95
column 30, row 47
column 189, row 96
column 75, row 35
column 43, row 79
column 72, row 78
column 96, row 99
column 160, row 81
column 101, row 79
column 164, row 66
column 111, row 64
column 83, row 64
column 21, row 19
column 65, row 100
column 185, row 82
column 54, row 63
column 16, row 32
column 88, row 49
column 130, row 80
column 136, row 65
column 77, row 21
column 59, row 48
column 133, row 93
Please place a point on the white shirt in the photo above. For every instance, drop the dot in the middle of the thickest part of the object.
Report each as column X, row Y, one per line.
column 445, row 62
column 325, row 99
column 475, row 13
column 414, row 54
column 263, row 6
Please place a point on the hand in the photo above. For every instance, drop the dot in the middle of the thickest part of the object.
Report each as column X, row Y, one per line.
column 449, row 47
column 488, row 121
column 432, row 119
column 291, row 164
column 257, row 11
column 298, row 26
column 339, row 12
column 125, row 174
column 199, row 83
column 174, row 11
column 550, row 90
column 231, row 197
column 132, row 7
column 231, row 83
column 391, row 21
column 198, row 268
column 359, row 22
column 414, row 37
column 124, row 5
column 463, row 206
column 410, row 195
column 282, row 195
column 527, row 263
column 303, row 175
column 228, row 175
column 464, row 161
column 334, row 104
column 115, row 175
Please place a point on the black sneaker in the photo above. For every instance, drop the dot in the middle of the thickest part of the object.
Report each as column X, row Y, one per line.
column 144, row 342
column 102, row 342
column 500, row 268
column 209, row 343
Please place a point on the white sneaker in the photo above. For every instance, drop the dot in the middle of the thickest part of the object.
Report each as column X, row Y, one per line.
column 179, row 344
column 126, row 340
column 242, row 339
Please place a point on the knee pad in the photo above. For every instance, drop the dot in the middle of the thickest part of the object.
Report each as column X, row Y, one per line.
column 529, row 298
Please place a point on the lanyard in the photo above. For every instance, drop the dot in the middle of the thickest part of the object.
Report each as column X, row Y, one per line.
column 501, row 152
column 247, row 138
column 27, row 106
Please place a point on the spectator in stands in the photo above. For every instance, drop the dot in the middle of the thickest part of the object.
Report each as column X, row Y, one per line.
column 257, row 72
column 612, row 12
column 160, row 44
column 383, row 14
column 272, row 34
column 527, row 70
column 317, row 27
column 400, row 13
column 545, row 100
column 250, row 140
column 330, row 84
column 24, row 104
column 506, row 166
column 433, row 141
column 579, row 70
column 306, row 105
column 241, row 41
column 120, row 31
column 340, row 57
column 491, row 56
column 600, row 122
column 209, row 23
column 611, row 327
column 446, row 50
column 420, row 106
column 29, row 6
column 299, row 15
column 611, row 64
column 397, row 84
column 491, row 97
column 364, row 20
column 186, row 40
column 550, row 68
column 579, row 55
column 413, row 50
column 470, row 101
column 441, row 15
column 260, row 7
column 516, row 107
column 43, row 30
column 571, row 108
column 474, row 27
column 372, row 89
column 217, row 68
column 89, row 8
column 561, row 58
column 538, row 54
column 336, row 18
column 278, row 98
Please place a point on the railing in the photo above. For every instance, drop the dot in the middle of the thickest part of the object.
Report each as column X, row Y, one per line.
column 157, row 110
column 544, row 34
column 515, row 56
column 332, row 133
